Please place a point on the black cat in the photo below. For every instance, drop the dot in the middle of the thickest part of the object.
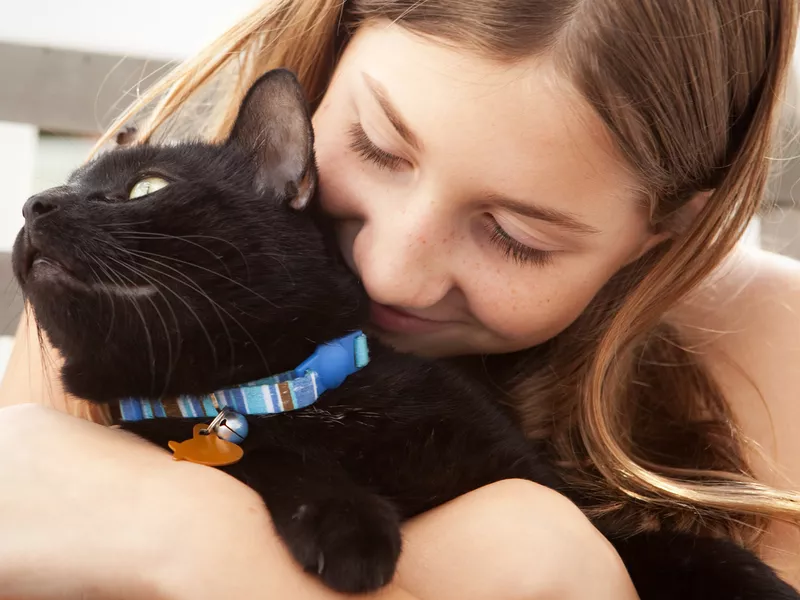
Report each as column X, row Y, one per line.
column 160, row 271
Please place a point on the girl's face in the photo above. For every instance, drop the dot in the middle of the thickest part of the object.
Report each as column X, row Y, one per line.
column 481, row 203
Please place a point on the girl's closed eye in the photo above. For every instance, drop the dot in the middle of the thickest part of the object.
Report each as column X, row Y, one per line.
column 513, row 249
column 367, row 150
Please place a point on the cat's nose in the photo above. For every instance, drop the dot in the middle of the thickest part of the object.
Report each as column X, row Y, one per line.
column 41, row 204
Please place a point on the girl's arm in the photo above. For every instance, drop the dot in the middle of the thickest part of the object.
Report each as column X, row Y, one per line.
column 86, row 511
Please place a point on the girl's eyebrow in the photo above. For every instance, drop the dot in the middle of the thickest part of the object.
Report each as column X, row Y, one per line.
column 542, row 213
column 391, row 112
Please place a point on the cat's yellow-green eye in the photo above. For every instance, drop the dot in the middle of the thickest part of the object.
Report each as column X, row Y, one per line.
column 147, row 186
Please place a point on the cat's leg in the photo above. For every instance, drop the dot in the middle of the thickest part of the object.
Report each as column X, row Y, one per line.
column 668, row 566
column 336, row 529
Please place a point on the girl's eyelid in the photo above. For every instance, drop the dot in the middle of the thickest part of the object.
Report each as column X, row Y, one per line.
column 363, row 145
column 372, row 116
column 380, row 131
column 516, row 229
column 513, row 250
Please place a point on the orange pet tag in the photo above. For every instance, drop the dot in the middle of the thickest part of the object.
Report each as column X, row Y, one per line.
column 206, row 449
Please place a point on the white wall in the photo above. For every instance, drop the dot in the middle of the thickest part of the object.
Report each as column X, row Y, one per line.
column 56, row 158
column 18, row 144
column 163, row 29
column 29, row 164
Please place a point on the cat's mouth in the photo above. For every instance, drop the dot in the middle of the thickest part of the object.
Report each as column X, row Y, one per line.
column 34, row 264
column 39, row 267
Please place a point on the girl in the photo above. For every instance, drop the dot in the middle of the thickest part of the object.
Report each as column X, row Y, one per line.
column 550, row 192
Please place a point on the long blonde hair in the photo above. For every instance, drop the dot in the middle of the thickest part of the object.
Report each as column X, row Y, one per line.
column 688, row 91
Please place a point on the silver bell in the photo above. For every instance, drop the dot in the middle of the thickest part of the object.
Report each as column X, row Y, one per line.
column 233, row 427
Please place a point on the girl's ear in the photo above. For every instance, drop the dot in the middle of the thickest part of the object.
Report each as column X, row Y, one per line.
column 274, row 127
column 688, row 213
column 676, row 224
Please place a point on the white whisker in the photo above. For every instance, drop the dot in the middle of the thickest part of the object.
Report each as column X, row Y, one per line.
column 135, row 291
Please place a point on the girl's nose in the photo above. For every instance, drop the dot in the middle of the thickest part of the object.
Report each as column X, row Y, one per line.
column 403, row 257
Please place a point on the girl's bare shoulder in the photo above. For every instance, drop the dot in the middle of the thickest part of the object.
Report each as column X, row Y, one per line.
column 745, row 326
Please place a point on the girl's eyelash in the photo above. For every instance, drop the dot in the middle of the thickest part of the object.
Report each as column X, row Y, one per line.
column 363, row 146
column 516, row 251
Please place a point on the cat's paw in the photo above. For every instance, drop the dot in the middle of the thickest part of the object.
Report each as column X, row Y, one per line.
column 352, row 543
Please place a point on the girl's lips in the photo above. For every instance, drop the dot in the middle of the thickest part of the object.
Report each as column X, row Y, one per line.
column 394, row 320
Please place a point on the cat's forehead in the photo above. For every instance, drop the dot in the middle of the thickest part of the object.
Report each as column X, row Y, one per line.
column 118, row 166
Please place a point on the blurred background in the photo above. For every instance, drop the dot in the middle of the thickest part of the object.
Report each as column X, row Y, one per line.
column 68, row 67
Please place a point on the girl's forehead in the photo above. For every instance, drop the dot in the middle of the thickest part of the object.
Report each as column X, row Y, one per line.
column 519, row 130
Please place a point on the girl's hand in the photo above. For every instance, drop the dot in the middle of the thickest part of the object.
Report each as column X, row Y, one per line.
column 91, row 512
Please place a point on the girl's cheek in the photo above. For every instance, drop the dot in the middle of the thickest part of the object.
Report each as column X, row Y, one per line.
column 334, row 190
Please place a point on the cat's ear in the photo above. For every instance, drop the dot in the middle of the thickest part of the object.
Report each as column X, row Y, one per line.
column 274, row 127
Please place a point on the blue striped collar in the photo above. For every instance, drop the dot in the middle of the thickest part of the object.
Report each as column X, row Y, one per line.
column 329, row 365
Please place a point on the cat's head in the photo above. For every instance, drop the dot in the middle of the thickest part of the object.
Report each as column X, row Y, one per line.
column 185, row 268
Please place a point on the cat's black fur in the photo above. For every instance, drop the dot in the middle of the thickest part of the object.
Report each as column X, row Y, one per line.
column 231, row 283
